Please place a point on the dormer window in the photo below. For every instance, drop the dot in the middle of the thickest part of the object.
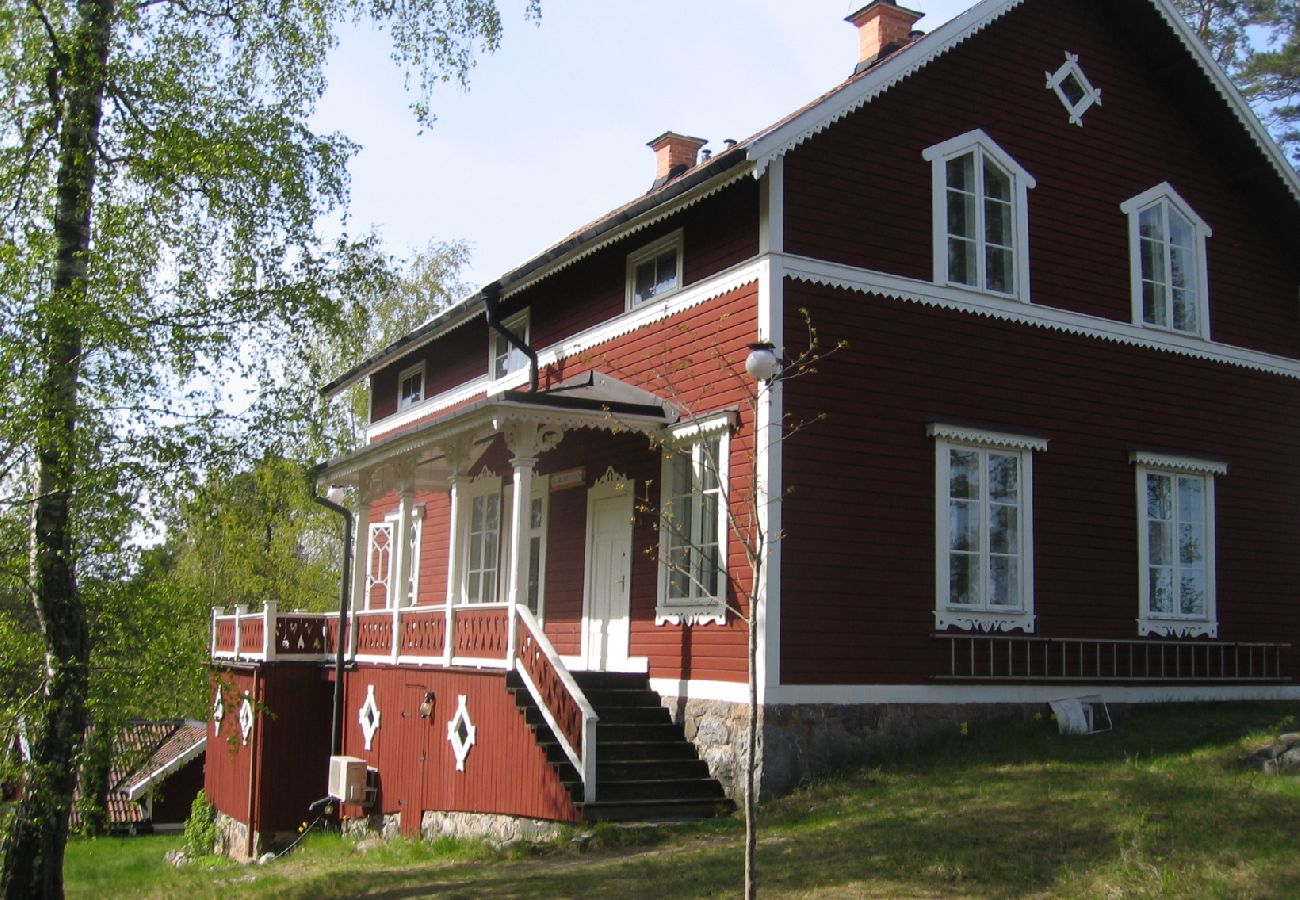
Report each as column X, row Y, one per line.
column 1167, row 269
column 410, row 386
column 1073, row 88
column 506, row 357
column 654, row 271
column 980, row 216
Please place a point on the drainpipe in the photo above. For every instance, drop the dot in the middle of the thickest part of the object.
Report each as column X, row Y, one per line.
column 336, row 722
column 491, row 304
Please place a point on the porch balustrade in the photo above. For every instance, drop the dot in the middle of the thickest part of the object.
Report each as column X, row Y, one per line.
column 479, row 637
column 1025, row 658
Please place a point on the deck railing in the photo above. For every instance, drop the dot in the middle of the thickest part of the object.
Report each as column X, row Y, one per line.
column 563, row 704
column 1024, row 658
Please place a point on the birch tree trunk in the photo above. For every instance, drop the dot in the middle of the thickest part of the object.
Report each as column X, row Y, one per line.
column 33, row 853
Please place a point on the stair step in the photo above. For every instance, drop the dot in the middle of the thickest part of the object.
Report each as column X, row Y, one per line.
column 633, row 770
column 619, row 734
column 603, row 698
column 653, row 810
column 611, row 681
column 662, row 789
column 632, row 715
column 629, row 751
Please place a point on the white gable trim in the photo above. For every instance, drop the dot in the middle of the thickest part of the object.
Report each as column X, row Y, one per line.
column 784, row 138
column 896, row 287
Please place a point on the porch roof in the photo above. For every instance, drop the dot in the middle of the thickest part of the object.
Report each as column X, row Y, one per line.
column 426, row 454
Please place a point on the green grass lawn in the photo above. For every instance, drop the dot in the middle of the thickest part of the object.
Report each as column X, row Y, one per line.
column 1161, row 806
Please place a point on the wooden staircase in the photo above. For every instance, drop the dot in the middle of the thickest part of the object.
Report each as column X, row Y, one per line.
column 646, row 770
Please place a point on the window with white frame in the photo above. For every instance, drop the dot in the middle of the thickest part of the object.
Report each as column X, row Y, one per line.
column 980, row 216
column 1175, row 514
column 506, row 358
column 480, row 529
column 379, row 565
column 654, row 271
column 1167, row 265
column 984, row 555
column 1073, row 88
column 410, row 386
column 693, row 524
column 535, row 541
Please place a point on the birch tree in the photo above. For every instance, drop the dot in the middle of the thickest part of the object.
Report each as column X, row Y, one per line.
column 159, row 189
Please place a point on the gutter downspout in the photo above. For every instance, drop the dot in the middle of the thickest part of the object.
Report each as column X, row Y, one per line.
column 336, row 721
column 491, row 304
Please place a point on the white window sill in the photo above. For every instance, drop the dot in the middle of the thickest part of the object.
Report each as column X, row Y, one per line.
column 697, row 614
column 981, row 620
column 1177, row 628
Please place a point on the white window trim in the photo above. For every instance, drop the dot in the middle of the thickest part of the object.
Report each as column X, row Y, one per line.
column 948, row 436
column 541, row 491
column 390, row 528
column 417, row 537
column 1022, row 181
column 519, row 325
column 424, row 384
column 634, row 259
column 486, row 483
column 1091, row 95
column 696, row 610
column 1176, row 624
column 1133, row 208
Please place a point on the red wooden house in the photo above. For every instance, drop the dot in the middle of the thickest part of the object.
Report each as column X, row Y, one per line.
column 1057, row 458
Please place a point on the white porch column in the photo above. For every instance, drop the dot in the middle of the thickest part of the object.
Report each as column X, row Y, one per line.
column 399, row 588
column 360, row 568
column 522, row 500
column 525, row 440
column 457, row 454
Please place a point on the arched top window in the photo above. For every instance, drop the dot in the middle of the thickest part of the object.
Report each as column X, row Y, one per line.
column 980, row 216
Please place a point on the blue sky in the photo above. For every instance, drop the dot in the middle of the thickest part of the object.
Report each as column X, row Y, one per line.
column 552, row 131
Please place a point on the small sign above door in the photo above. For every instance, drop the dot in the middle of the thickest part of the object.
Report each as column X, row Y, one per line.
column 569, row 478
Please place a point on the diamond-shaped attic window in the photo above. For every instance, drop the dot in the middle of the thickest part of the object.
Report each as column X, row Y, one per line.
column 368, row 716
column 461, row 732
column 1073, row 88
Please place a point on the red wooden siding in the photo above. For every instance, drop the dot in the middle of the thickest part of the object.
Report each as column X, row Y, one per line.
column 858, row 562
column 505, row 771
column 859, row 193
column 225, row 778
column 172, row 800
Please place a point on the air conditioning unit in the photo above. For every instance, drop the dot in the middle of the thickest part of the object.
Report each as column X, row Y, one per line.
column 349, row 781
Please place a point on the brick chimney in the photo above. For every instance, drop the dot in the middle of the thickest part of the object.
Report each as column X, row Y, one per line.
column 883, row 27
column 674, row 154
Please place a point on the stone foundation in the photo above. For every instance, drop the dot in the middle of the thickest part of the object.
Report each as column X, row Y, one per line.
column 497, row 829
column 232, row 839
column 383, row 825
column 798, row 742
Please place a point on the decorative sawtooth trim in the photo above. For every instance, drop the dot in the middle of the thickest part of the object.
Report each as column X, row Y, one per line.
column 1177, row 628
column 1190, row 464
column 724, row 282
column 638, row 225
column 1240, row 108
column 990, row 622
column 698, row 426
column 879, row 80
column 695, row 615
column 986, row 438
column 927, row 293
column 611, row 478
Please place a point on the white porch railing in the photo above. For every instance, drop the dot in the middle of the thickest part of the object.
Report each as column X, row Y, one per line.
column 563, row 704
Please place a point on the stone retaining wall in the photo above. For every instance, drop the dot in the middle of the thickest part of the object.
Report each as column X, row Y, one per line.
column 802, row 741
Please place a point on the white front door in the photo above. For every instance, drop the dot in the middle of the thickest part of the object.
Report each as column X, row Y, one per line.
column 609, row 577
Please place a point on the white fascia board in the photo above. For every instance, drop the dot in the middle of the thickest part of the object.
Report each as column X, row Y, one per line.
column 143, row 785
column 897, row 287
column 783, row 139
